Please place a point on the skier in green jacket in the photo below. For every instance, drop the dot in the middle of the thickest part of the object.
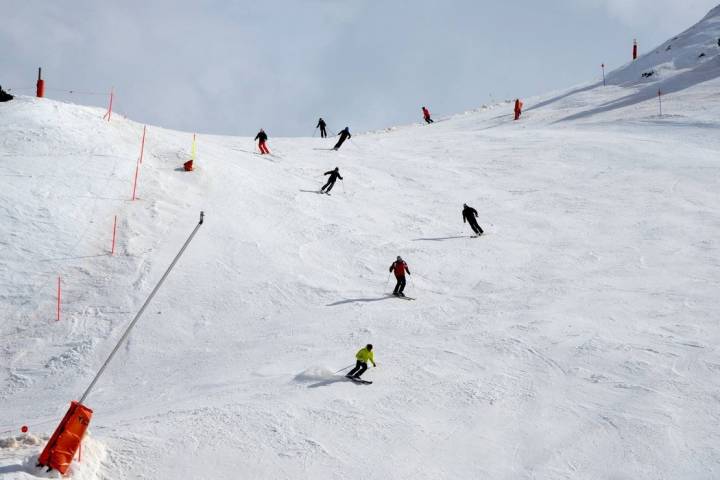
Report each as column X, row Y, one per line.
column 362, row 356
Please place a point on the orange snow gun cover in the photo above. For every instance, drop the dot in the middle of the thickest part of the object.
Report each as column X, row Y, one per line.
column 64, row 443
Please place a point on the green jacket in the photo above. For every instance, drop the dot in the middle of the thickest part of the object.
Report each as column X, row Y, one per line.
column 364, row 355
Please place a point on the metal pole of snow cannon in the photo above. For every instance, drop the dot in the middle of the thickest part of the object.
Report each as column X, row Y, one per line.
column 40, row 90
column 660, row 101
column 142, row 309
column 603, row 70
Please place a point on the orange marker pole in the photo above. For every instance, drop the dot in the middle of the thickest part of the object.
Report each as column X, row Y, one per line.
column 112, row 249
column 137, row 168
column 109, row 112
column 142, row 145
column 58, row 300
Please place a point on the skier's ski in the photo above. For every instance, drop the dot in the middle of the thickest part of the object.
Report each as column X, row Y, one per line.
column 359, row 380
column 401, row 297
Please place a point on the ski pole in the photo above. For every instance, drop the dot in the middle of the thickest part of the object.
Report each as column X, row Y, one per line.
column 343, row 184
column 142, row 309
column 315, row 131
column 345, row 368
column 388, row 279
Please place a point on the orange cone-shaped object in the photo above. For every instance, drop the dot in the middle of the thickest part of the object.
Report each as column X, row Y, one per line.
column 188, row 166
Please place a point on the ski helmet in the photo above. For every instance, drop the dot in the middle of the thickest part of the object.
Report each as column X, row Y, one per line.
column 399, row 258
column 369, row 346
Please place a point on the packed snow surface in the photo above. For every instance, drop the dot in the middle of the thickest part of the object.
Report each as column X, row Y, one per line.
column 576, row 339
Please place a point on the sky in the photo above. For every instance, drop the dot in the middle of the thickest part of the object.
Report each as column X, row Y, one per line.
column 233, row 67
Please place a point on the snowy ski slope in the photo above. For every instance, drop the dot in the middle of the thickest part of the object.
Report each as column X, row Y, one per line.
column 577, row 339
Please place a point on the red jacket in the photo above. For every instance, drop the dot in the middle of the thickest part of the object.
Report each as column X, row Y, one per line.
column 426, row 113
column 400, row 268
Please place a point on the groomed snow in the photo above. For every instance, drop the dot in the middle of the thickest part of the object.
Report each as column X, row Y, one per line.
column 576, row 339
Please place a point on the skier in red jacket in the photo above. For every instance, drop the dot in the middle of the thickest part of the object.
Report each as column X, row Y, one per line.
column 262, row 137
column 426, row 115
column 399, row 267
column 518, row 108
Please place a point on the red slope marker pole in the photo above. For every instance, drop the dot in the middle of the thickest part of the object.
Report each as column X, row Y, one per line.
column 112, row 249
column 58, row 300
column 137, row 168
column 635, row 49
column 109, row 112
column 142, row 145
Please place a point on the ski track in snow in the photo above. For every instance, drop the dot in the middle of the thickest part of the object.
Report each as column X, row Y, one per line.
column 576, row 339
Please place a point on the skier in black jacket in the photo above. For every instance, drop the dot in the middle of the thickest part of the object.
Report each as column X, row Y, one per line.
column 334, row 175
column 344, row 135
column 262, row 138
column 4, row 96
column 321, row 125
column 470, row 214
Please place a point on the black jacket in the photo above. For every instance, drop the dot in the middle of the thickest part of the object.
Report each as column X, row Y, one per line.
column 345, row 133
column 321, row 123
column 334, row 175
column 469, row 214
column 262, row 136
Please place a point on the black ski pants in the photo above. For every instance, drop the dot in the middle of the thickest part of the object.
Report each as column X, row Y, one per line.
column 359, row 369
column 323, row 133
column 339, row 143
column 400, row 285
column 474, row 225
column 428, row 120
column 328, row 185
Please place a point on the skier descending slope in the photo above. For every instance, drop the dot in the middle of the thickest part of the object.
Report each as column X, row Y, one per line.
column 518, row 108
column 334, row 175
column 262, row 138
column 344, row 135
column 399, row 267
column 426, row 115
column 321, row 125
column 469, row 215
column 362, row 357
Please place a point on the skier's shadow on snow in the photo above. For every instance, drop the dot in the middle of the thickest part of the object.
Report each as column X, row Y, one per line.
column 310, row 191
column 327, row 382
column 357, row 300
column 439, row 239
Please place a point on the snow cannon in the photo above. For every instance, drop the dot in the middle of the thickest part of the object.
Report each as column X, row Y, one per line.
column 65, row 442
column 188, row 166
column 40, row 91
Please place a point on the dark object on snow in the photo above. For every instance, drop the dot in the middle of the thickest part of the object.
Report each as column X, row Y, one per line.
column 718, row 42
column 669, row 47
column 701, row 55
column 469, row 215
column 321, row 125
column 4, row 96
column 399, row 267
column 334, row 175
column 648, row 74
column 344, row 135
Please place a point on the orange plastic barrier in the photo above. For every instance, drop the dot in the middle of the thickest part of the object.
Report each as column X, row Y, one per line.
column 188, row 166
column 64, row 443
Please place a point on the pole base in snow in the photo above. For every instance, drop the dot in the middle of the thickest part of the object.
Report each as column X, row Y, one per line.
column 64, row 443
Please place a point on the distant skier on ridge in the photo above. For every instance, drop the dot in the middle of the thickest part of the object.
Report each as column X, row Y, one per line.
column 362, row 357
column 399, row 267
column 518, row 108
column 334, row 175
column 262, row 138
column 469, row 215
column 321, row 125
column 426, row 115
column 344, row 135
